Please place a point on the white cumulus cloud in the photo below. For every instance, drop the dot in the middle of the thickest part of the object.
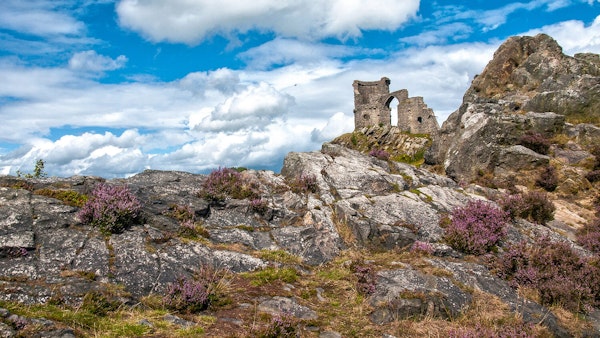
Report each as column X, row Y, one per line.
column 191, row 22
column 38, row 17
column 573, row 36
column 90, row 61
column 254, row 108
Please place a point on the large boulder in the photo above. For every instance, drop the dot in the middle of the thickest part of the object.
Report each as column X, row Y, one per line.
column 529, row 86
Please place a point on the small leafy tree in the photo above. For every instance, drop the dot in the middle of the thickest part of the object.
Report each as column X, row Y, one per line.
column 38, row 171
column 476, row 228
column 111, row 208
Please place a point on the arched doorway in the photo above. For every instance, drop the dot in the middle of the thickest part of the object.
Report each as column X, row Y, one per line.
column 391, row 105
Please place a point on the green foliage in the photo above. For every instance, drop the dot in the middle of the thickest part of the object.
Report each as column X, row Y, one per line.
column 180, row 213
column 272, row 274
column 279, row 256
column 99, row 304
column 415, row 159
column 192, row 230
column 69, row 197
column 38, row 171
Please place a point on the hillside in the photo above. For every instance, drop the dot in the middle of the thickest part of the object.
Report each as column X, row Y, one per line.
column 490, row 230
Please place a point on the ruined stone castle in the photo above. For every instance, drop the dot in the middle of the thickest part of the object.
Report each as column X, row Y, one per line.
column 372, row 101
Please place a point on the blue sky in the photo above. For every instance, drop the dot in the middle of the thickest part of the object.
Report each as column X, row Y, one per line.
column 113, row 87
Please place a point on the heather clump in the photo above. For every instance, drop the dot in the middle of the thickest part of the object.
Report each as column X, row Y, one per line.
column 380, row 154
column 476, row 228
column 281, row 326
column 536, row 142
column 111, row 208
column 589, row 236
column 194, row 294
column 226, row 182
column 593, row 176
column 539, row 209
column 366, row 278
column 259, row 205
column 548, row 179
column 533, row 206
column 422, row 248
column 303, row 184
column 554, row 270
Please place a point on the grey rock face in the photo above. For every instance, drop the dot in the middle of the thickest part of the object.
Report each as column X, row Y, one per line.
column 529, row 86
column 407, row 293
column 289, row 306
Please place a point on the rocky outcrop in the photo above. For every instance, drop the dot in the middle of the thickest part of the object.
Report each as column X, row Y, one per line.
column 529, row 86
column 359, row 202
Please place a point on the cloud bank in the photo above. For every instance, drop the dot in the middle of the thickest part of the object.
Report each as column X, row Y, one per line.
column 291, row 91
column 191, row 22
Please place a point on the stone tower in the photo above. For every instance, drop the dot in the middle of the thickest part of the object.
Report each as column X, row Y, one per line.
column 372, row 107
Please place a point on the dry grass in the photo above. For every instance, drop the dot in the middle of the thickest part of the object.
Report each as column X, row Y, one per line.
column 572, row 321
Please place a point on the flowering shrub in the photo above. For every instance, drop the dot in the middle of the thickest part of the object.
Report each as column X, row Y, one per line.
column 476, row 227
column 536, row 142
column 190, row 230
column 366, row 282
column 111, row 208
column 226, row 182
column 533, row 206
column 281, row 326
column 422, row 248
column 304, row 184
column 514, row 205
column 589, row 236
column 12, row 252
column 539, row 208
column 559, row 274
column 259, row 205
column 193, row 294
column 593, row 176
column 595, row 151
column 380, row 154
column 548, row 179
column 180, row 212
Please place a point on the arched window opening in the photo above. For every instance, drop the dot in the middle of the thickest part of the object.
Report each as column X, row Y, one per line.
column 420, row 119
column 393, row 106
